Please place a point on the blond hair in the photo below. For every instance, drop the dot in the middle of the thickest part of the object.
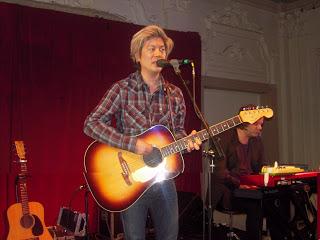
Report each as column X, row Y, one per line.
column 152, row 31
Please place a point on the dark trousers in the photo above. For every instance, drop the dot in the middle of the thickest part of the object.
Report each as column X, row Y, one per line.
column 276, row 211
column 223, row 198
column 254, row 219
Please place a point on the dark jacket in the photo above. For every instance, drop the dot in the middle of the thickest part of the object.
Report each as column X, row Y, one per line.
column 227, row 171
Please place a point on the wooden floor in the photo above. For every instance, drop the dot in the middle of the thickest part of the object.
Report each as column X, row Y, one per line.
column 218, row 233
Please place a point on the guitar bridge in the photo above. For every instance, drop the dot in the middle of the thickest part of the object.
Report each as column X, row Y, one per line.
column 125, row 169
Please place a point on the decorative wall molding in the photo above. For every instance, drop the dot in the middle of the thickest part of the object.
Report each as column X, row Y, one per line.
column 72, row 3
column 176, row 5
column 291, row 24
column 234, row 47
column 317, row 52
column 282, row 6
column 238, row 56
column 267, row 5
column 139, row 14
column 142, row 14
column 235, row 52
column 300, row 5
column 233, row 16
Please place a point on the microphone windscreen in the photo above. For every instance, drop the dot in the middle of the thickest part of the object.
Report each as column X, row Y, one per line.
column 163, row 63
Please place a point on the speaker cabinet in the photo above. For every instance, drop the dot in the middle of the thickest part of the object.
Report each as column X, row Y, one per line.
column 72, row 221
column 190, row 213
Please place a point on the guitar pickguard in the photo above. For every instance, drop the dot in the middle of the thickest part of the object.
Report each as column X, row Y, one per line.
column 37, row 229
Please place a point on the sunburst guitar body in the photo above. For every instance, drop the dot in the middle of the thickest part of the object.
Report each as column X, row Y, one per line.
column 118, row 178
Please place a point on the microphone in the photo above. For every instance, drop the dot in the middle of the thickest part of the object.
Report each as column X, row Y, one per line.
column 172, row 63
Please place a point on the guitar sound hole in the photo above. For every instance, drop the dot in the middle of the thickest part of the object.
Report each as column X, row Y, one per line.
column 27, row 221
column 154, row 158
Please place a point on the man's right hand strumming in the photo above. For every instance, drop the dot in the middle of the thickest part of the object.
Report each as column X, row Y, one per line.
column 143, row 148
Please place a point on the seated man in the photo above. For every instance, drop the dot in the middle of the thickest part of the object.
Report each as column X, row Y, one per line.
column 244, row 154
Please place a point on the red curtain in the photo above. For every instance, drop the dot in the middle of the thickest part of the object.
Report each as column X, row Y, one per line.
column 54, row 68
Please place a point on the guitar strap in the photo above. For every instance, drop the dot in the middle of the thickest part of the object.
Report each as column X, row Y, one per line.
column 167, row 91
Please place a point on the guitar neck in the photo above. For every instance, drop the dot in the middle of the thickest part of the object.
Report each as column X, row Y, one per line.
column 23, row 188
column 182, row 144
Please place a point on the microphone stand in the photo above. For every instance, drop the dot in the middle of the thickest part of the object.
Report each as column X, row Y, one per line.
column 86, row 206
column 214, row 149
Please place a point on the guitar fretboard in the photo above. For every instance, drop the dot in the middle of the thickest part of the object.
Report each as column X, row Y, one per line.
column 203, row 135
column 23, row 189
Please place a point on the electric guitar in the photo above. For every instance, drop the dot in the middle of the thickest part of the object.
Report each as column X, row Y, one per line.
column 117, row 178
column 26, row 219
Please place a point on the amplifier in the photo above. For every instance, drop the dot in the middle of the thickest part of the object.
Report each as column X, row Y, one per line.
column 72, row 221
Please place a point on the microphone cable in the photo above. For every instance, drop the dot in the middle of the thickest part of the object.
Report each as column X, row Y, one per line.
column 74, row 193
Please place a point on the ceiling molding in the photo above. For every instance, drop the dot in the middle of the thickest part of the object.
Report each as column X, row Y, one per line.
column 299, row 4
column 68, row 9
column 267, row 5
column 277, row 6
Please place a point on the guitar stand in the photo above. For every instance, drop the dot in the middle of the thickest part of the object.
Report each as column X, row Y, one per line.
column 86, row 209
column 79, row 230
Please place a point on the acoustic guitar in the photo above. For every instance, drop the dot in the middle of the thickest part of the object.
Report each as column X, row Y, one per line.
column 118, row 178
column 26, row 219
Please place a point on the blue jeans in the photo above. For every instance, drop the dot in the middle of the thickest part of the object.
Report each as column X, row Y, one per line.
column 162, row 202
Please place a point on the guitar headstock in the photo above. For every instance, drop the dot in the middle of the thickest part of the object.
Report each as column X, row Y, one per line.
column 254, row 114
column 20, row 150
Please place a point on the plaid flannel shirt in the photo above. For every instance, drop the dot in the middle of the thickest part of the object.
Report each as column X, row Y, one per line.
column 135, row 110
